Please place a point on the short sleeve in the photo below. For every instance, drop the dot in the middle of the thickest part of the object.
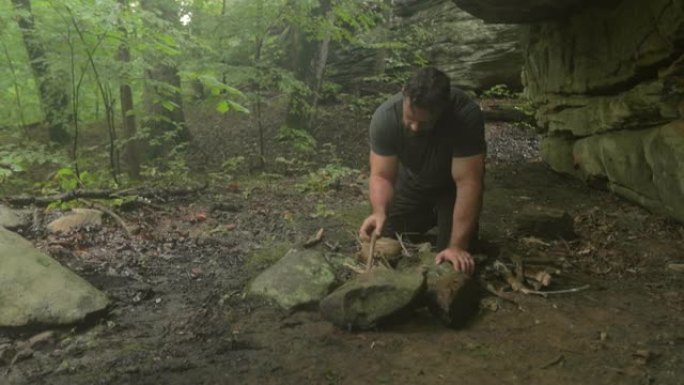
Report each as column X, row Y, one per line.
column 382, row 141
column 470, row 140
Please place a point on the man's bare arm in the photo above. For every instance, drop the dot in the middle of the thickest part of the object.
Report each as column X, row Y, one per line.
column 383, row 172
column 381, row 190
column 468, row 175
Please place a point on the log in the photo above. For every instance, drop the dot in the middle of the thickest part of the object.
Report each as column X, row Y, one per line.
column 144, row 192
column 452, row 296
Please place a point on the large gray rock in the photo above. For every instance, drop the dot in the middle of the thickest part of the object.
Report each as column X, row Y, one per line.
column 609, row 81
column 37, row 290
column 522, row 11
column 603, row 52
column 299, row 279
column 644, row 166
column 10, row 219
column 372, row 298
column 476, row 55
column 583, row 115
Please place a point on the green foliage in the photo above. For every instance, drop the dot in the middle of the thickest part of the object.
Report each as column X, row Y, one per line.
column 172, row 169
column 298, row 138
column 16, row 158
column 231, row 165
column 322, row 211
column 238, row 58
column 326, row 178
column 499, row 91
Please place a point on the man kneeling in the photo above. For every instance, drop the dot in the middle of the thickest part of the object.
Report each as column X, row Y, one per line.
column 427, row 166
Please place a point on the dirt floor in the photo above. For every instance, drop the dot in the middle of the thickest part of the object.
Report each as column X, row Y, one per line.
column 179, row 315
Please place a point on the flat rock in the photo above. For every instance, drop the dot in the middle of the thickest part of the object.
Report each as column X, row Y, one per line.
column 75, row 220
column 36, row 290
column 452, row 296
column 10, row 219
column 299, row 279
column 372, row 298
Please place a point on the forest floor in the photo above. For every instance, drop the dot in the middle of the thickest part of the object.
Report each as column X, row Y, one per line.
column 179, row 315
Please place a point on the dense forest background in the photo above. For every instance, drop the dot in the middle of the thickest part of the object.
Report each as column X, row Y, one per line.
column 109, row 93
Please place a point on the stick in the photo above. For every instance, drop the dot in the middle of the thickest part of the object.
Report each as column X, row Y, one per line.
column 315, row 239
column 519, row 268
column 127, row 233
column 371, row 250
column 147, row 192
column 499, row 294
column 112, row 214
column 403, row 247
column 516, row 285
column 353, row 268
column 552, row 292
column 555, row 361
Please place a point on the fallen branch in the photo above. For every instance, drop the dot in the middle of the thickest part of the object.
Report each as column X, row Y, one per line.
column 145, row 192
column 565, row 291
column 114, row 216
column 516, row 285
column 315, row 239
column 24, row 349
column 126, row 230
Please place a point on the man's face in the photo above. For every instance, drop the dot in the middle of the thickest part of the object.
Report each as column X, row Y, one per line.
column 417, row 120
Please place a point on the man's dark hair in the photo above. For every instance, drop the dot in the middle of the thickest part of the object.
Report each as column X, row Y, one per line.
column 428, row 88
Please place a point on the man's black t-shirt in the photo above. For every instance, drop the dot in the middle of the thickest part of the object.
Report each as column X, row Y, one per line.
column 426, row 157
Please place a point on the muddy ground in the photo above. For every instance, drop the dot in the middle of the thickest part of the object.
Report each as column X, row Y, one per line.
column 179, row 315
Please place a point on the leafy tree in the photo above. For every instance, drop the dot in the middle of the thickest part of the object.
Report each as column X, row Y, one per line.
column 52, row 91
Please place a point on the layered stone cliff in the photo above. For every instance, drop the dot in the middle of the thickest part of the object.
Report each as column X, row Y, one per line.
column 608, row 77
column 476, row 55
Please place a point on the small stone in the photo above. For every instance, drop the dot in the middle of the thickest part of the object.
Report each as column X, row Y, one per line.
column 195, row 272
column 76, row 220
column 678, row 267
column 373, row 298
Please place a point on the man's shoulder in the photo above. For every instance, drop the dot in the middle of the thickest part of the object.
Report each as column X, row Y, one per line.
column 391, row 104
column 461, row 100
column 388, row 111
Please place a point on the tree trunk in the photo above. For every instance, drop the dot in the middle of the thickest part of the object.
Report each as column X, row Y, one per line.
column 301, row 56
column 54, row 99
column 132, row 147
column 307, row 62
column 318, row 79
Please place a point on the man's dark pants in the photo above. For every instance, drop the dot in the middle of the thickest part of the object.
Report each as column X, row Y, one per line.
column 415, row 210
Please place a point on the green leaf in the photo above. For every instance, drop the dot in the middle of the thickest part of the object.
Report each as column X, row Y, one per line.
column 223, row 106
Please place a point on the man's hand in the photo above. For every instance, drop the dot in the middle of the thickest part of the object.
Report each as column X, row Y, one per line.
column 372, row 224
column 459, row 258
